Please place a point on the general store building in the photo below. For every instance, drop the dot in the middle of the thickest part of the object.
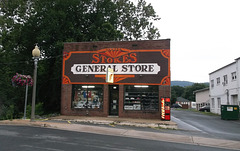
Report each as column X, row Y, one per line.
column 141, row 79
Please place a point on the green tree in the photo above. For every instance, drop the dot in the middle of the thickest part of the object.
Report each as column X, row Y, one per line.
column 176, row 91
column 51, row 23
column 136, row 21
column 188, row 92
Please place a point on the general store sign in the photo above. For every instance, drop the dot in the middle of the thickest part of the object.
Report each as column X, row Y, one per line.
column 134, row 68
column 129, row 66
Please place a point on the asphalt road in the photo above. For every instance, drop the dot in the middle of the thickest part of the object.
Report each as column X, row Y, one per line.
column 24, row 138
column 206, row 125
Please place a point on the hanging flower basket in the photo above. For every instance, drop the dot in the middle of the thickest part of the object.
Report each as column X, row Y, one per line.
column 22, row 80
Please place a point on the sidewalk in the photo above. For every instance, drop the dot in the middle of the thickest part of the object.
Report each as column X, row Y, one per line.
column 70, row 126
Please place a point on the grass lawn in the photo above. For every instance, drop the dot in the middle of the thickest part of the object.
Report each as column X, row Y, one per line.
column 194, row 110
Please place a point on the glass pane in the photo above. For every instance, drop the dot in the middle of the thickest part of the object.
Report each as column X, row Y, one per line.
column 87, row 96
column 139, row 97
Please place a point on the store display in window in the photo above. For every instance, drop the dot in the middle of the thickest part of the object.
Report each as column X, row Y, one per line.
column 87, row 98
column 141, row 98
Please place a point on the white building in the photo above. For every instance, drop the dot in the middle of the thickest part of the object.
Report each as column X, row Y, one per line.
column 186, row 104
column 224, row 86
column 202, row 98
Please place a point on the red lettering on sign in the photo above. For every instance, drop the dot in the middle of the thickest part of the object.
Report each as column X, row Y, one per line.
column 121, row 58
column 134, row 57
column 95, row 58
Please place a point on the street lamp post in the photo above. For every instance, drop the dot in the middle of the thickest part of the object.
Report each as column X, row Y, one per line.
column 36, row 55
column 25, row 105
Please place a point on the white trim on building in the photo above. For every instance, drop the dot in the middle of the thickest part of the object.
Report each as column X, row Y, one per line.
column 224, row 86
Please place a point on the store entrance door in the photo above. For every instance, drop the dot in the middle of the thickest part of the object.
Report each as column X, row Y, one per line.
column 113, row 100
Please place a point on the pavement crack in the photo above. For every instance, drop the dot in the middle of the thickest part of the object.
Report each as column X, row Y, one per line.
column 192, row 139
column 123, row 133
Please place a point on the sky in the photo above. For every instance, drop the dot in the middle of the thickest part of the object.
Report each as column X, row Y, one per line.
column 205, row 35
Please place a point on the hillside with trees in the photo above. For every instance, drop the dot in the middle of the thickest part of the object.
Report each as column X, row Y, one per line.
column 181, row 83
column 186, row 92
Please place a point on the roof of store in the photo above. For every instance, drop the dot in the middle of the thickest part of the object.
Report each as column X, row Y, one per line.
column 201, row 90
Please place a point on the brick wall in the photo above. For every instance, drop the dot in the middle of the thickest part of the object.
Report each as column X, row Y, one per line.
column 66, row 97
column 132, row 45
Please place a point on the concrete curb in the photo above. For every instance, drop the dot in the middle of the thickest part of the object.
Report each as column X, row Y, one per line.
column 123, row 123
column 119, row 121
column 193, row 140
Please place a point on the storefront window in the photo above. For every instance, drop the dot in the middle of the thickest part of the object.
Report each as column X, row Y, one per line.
column 141, row 97
column 87, row 96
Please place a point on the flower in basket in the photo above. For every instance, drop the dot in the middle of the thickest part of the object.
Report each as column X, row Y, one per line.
column 22, row 80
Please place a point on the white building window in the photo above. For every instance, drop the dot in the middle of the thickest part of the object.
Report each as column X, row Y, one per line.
column 218, row 81
column 234, row 99
column 219, row 102
column 225, row 80
column 234, row 76
column 213, row 103
column 212, row 83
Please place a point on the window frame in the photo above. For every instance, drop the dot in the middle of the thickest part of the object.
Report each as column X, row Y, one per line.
column 89, row 97
column 141, row 98
column 225, row 79
column 213, row 103
column 219, row 102
column 218, row 81
column 234, row 76
column 212, row 83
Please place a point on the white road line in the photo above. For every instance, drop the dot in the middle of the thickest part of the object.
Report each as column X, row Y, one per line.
column 185, row 126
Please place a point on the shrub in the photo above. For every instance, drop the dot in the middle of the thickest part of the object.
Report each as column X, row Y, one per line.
column 38, row 110
column 7, row 112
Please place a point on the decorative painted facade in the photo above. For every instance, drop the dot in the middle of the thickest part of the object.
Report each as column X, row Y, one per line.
column 141, row 78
